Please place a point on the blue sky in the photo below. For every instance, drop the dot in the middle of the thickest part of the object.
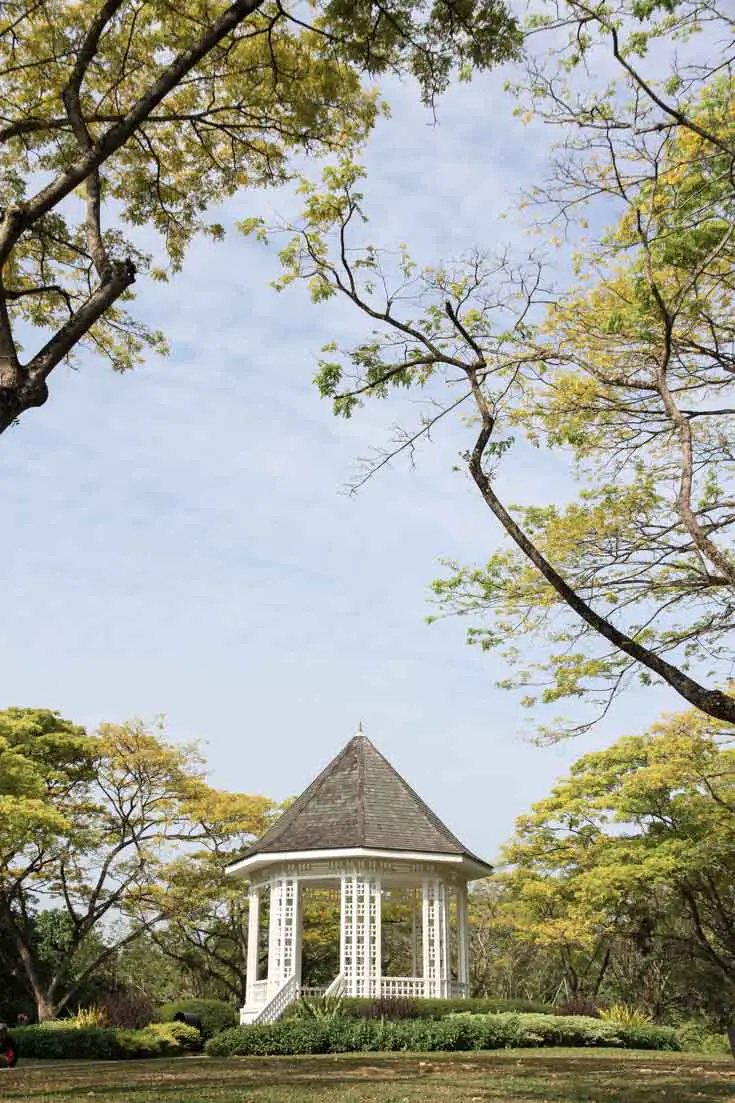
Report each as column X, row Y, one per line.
column 176, row 540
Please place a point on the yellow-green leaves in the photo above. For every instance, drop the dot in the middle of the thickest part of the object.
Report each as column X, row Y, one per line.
column 117, row 825
column 149, row 115
column 647, row 824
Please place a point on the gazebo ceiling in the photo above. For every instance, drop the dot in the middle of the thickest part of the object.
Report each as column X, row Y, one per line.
column 359, row 801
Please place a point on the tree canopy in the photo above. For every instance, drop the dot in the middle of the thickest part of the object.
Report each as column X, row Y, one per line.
column 118, row 831
column 617, row 357
column 119, row 114
column 636, row 843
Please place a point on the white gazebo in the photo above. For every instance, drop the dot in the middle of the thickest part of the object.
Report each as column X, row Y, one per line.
column 361, row 828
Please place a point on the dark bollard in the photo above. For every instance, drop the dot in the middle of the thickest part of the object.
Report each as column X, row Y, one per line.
column 189, row 1019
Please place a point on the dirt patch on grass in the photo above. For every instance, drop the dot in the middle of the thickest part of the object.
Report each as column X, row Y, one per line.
column 507, row 1077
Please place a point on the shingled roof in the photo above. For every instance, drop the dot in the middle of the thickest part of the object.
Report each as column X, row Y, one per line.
column 360, row 800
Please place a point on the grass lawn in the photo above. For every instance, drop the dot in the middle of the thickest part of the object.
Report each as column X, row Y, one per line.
column 522, row 1076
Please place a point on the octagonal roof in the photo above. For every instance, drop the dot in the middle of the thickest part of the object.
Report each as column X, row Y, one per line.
column 360, row 802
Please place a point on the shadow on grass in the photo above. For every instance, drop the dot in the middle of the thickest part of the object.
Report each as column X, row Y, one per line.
column 384, row 1079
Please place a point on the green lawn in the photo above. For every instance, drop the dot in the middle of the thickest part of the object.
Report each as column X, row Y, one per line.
column 537, row 1076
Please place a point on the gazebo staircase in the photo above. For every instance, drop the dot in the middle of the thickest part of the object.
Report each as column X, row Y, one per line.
column 291, row 991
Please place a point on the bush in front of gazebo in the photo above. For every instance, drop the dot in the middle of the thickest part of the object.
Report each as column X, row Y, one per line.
column 464, row 1031
column 214, row 1015
column 400, row 1007
column 404, row 1008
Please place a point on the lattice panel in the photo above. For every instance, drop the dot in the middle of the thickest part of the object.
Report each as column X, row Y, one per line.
column 283, row 930
column 435, row 941
column 360, row 935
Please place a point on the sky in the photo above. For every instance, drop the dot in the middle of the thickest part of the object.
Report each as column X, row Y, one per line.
column 177, row 540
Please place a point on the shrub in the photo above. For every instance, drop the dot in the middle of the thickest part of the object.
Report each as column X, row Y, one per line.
column 400, row 1007
column 102, row 1043
column 463, row 1031
column 622, row 1014
column 578, row 1005
column 403, row 1008
column 214, row 1015
column 698, row 1037
column 87, row 1016
column 322, row 1007
column 129, row 1009
column 181, row 1035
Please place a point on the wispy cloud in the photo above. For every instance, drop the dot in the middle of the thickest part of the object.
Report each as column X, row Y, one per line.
column 176, row 540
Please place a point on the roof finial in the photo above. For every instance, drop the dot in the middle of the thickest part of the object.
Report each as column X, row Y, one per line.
column 359, row 729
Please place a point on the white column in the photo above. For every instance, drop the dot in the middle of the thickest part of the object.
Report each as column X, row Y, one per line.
column 298, row 931
column 447, row 938
column 442, row 920
column 414, row 936
column 428, row 938
column 253, row 931
column 463, row 956
column 374, row 931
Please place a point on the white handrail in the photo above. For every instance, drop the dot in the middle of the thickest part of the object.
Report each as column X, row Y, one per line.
column 275, row 1007
column 336, row 988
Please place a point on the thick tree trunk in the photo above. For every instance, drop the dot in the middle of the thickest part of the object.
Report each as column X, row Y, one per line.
column 14, row 402
column 45, row 1009
column 10, row 407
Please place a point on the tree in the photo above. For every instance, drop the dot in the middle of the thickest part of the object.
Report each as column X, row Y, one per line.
column 106, row 828
column 151, row 113
column 206, row 932
column 507, row 961
column 638, row 844
column 623, row 367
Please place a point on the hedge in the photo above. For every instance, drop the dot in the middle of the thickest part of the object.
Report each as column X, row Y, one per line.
column 105, row 1043
column 456, row 1032
column 356, row 1008
column 214, row 1015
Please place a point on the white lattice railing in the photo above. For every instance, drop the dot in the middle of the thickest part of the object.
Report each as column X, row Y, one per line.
column 392, row 988
column 311, row 991
column 337, row 987
column 275, row 1007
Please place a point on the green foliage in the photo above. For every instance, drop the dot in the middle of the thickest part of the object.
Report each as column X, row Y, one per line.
column 182, row 111
column 637, row 845
column 387, row 1008
column 215, row 1015
column 624, row 374
column 623, row 1014
column 394, row 1009
column 696, row 1036
column 320, row 1008
column 525, row 1076
column 101, row 1043
column 44, row 759
column 456, row 1032
column 578, row 1005
column 97, row 824
column 85, row 1017
column 185, row 1037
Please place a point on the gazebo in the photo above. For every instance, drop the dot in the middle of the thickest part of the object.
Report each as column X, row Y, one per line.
column 359, row 827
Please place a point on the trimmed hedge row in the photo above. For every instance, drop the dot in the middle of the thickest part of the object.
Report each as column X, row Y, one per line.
column 106, row 1043
column 457, row 1032
column 214, row 1015
column 356, row 1008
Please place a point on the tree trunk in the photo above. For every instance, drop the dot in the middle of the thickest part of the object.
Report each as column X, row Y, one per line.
column 45, row 1009
column 731, row 1038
